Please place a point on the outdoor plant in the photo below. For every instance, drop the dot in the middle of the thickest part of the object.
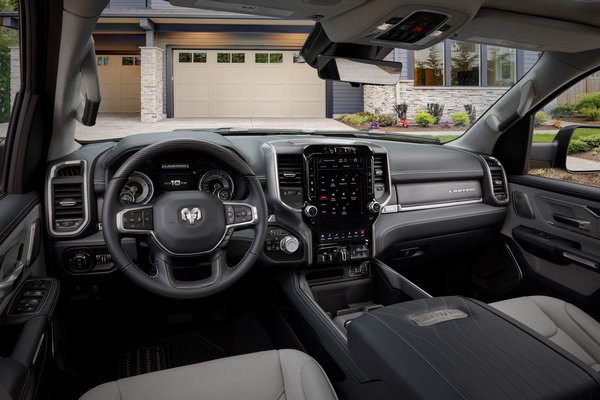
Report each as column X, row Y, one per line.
column 385, row 119
column 402, row 123
column 373, row 125
column 358, row 119
column 436, row 110
column 588, row 100
column 590, row 114
column 583, row 144
column 540, row 118
column 401, row 110
column 556, row 123
column 424, row 119
column 446, row 125
column 562, row 110
column 460, row 118
column 470, row 109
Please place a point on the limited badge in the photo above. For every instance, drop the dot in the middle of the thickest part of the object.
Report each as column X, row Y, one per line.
column 435, row 317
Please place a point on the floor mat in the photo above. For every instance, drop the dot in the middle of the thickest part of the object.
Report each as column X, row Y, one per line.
column 166, row 353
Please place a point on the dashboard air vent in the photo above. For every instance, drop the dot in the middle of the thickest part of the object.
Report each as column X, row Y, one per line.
column 290, row 175
column 498, row 180
column 290, row 170
column 68, row 211
column 380, row 174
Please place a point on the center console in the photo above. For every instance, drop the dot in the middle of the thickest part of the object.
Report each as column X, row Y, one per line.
column 339, row 204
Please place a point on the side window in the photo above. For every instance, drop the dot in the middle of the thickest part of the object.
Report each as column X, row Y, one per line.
column 10, row 74
column 572, row 121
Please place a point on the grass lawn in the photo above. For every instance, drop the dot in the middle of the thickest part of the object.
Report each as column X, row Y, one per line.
column 538, row 137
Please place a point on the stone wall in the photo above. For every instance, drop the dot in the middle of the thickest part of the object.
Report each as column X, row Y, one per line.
column 15, row 73
column 152, row 83
column 382, row 99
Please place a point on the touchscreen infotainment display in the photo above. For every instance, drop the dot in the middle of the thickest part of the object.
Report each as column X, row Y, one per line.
column 341, row 196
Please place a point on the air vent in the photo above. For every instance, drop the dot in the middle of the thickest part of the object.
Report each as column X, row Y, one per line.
column 380, row 174
column 290, row 176
column 69, row 170
column 68, row 213
column 290, row 170
column 498, row 180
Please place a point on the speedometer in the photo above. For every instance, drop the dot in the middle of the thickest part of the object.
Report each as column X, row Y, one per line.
column 139, row 189
column 217, row 182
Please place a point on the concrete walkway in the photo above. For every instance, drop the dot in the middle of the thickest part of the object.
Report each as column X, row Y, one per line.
column 120, row 125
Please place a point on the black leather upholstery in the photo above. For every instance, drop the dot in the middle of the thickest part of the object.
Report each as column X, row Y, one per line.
column 481, row 354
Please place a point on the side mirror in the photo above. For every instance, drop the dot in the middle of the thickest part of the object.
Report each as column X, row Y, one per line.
column 574, row 148
column 355, row 70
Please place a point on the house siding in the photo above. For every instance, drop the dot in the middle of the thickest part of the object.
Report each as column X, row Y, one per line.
column 529, row 58
column 346, row 99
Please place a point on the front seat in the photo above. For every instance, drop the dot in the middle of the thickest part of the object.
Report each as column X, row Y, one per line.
column 268, row 375
column 561, row 322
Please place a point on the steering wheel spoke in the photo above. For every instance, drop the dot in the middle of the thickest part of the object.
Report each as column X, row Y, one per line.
column 136, row 220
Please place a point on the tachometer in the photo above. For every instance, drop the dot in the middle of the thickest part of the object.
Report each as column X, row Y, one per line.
column 217, row 182
column 139, row 189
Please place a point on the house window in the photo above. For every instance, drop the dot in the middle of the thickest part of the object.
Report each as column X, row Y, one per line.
column 223, row 57
column 464, row 64
column 261, row 58
column 199, row 57
column 103, row 61
column 131, row 60
column 238, row 58
column 429, row 66
column 185, row 57
column 595, row 75
column 275, row 58
column 298, row 59
column 501, row 66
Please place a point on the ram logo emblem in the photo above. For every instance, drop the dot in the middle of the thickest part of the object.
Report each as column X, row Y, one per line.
column 191, row 216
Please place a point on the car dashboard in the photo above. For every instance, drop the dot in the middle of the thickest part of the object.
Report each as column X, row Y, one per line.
column 331, row 201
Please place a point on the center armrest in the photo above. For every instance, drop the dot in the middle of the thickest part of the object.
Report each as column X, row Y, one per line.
column 458, row 348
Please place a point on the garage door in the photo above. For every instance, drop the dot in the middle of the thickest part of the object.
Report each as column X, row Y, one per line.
column 234, row 83
column 119, row 83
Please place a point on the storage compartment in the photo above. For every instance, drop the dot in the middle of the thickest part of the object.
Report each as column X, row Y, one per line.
column 457, row 348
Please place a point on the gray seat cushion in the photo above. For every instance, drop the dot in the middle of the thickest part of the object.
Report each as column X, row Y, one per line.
column 561, row 322
column 276, row 375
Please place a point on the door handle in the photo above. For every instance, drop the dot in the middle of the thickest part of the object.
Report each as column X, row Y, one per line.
column 574, row 222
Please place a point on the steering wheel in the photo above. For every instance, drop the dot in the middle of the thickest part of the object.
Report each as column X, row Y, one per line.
column 183, row 226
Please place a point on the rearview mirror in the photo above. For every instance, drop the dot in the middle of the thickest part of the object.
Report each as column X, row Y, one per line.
column 354, row 70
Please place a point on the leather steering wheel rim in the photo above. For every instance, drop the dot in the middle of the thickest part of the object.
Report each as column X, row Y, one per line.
column 163, row 282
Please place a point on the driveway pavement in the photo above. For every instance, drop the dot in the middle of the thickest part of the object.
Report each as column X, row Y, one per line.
column 120, row 125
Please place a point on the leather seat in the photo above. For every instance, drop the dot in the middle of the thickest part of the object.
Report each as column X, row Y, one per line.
column 561, row 322
column 268, row 375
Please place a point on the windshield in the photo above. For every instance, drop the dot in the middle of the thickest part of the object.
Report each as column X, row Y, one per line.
column 250, row 75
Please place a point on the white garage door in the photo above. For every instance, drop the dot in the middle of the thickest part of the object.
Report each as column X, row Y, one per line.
column 119, row 83
column 236, row 83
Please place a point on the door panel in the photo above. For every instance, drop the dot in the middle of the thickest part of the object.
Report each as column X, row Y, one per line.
column 558, row 234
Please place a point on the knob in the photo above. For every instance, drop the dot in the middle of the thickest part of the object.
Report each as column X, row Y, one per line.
column 289, row 244
column 310, row 211
column 374, row 206
column 81, row 260
column 342, row 255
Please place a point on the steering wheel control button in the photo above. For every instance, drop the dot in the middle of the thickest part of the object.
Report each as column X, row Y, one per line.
column 137, row 219
column 242, row 214
column 229, row 215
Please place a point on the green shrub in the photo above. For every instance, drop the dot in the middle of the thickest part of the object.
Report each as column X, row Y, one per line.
column 590, row 115
column 540, row 118
column 386, row 119
column 577, row 146
column 460, row 118
column 424, row 119
column 562, row 110
column 358, row 119
column 592, row 140
column 588, row 100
